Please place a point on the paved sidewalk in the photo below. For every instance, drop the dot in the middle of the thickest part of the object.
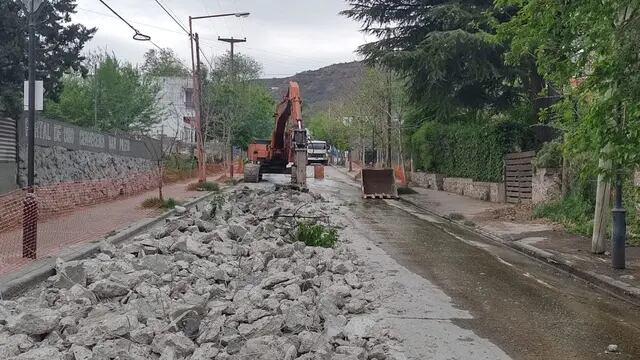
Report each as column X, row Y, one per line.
column 86, row 224
column 545, row 241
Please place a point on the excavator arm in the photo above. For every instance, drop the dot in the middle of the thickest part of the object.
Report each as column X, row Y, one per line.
column 288, row 118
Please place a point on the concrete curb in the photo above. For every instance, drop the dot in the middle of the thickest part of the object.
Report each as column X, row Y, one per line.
column 16, row 283
column 606, row 283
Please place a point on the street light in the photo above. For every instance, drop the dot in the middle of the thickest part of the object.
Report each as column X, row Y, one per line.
column 195, row 69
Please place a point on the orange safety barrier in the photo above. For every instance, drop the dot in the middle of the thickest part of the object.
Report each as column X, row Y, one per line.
column 400, row 175
column 318, row 172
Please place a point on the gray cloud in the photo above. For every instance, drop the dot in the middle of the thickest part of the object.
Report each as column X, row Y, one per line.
column 285, row 36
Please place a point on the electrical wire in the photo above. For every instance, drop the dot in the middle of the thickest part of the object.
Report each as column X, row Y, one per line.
column 138, row 35
column 172, row 17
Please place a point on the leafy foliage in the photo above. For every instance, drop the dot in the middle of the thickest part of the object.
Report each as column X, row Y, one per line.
column 234, row 106
column 163, row 62
column 60, row 46
column 473, row 150
column 317, row 235
column 116, row 97
column 447, row 51
column 589, row 48
column 573, row 212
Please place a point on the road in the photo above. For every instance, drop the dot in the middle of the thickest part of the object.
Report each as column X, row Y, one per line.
column 450, row 294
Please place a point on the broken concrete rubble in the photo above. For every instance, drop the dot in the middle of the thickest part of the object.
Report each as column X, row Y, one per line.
column 225, row 284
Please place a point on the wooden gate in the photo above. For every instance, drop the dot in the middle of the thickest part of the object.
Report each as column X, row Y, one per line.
column 518, row 174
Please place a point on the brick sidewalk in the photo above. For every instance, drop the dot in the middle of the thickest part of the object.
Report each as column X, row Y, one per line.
column 86, row 224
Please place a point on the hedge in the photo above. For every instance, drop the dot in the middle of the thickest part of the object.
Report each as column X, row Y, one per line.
column 470, row 150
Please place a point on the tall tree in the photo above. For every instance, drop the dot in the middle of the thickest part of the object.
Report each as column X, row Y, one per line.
column 163, row 62
column 104, row 99
column 446, row 50
column 60, row 43
column 243, row 67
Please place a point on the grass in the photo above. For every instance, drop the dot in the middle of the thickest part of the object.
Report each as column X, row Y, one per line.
column 572, row 212
column 317, row 235
column 156, row 203
column 204, row 186
column 405, row 190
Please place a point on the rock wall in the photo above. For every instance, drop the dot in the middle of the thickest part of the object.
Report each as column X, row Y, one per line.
column 485, row 191
column 428, row 180
column 546, row 185
column 56, row 165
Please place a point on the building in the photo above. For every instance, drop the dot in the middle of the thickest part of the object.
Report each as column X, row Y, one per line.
column 176, row 96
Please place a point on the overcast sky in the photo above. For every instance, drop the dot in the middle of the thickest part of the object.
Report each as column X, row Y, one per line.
column 286, row 36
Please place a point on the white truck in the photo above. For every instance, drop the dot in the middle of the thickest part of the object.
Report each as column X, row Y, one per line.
column 317, row 152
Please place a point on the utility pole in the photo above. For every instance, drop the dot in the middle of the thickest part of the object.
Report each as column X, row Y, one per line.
column 202, row 174
column 232, row 42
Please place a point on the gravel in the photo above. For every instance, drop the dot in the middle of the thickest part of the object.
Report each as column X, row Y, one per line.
column 222, row 284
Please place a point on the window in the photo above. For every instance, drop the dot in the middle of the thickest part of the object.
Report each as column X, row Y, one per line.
column 188, row 98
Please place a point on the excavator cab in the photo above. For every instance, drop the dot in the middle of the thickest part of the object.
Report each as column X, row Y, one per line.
column 379, row 184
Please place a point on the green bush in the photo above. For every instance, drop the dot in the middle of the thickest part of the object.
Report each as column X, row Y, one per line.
column 549, row 156
column 156, row 203
column 466, row 149
column 204, row 186
column 317, row 235
column 574, row 212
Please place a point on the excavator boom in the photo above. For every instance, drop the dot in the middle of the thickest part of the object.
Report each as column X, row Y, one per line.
column 286, row 151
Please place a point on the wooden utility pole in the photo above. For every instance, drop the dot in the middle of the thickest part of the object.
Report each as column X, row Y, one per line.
column 232, row 42
column 603, row 194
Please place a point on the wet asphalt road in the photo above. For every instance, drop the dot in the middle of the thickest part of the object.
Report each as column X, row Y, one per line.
column 528, row 309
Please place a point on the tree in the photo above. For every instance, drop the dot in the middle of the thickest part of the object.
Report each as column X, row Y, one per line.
column 163, row 62
column 115, row 97
column 59, row 49
column 446, row 50
column 235, row 109
column 243, row 68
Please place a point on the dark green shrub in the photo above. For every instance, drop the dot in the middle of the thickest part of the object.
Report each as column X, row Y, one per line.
column 574, row 212
column 466, row 149
column 156, row 203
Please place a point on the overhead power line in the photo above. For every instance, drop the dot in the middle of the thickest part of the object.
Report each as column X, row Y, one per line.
column 138, row 35
column 172, row 17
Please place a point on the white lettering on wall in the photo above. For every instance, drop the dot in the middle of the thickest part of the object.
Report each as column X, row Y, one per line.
column 112, row 143
column 125, row 145
column 69, row 135
column 91, row 139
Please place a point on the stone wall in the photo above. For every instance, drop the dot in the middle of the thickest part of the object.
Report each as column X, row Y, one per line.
column 546, row 185
column 427, row 180
column 57, row 164
column 485, row 191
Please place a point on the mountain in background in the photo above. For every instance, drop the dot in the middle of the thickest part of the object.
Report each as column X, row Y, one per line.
column 319, row 87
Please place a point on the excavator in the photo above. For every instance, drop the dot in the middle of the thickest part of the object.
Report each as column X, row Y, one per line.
column 286, row 151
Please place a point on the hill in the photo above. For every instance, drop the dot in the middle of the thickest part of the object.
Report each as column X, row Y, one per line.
column 319, row 87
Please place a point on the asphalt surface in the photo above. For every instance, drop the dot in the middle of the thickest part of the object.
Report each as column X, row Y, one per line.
column 520, row 306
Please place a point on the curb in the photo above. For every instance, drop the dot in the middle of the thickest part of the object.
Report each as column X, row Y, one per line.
column 603, row 282
column 18, row 282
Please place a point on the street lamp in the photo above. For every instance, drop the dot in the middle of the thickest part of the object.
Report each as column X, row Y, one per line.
column 195, row 69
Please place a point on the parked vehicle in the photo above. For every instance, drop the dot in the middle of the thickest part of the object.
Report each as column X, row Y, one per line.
column 317, row 152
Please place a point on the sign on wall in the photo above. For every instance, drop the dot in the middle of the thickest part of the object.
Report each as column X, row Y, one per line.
column 56, row 133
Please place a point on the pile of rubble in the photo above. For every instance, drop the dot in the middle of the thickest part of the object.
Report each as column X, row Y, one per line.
column 225, row 281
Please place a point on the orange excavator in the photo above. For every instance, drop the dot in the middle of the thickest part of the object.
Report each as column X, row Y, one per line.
column 286, row 151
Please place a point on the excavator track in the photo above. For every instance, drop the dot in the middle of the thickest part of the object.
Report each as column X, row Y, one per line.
column 252, row 173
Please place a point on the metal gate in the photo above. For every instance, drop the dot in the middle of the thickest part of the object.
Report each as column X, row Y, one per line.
column 518, row 174
column 7, row 140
